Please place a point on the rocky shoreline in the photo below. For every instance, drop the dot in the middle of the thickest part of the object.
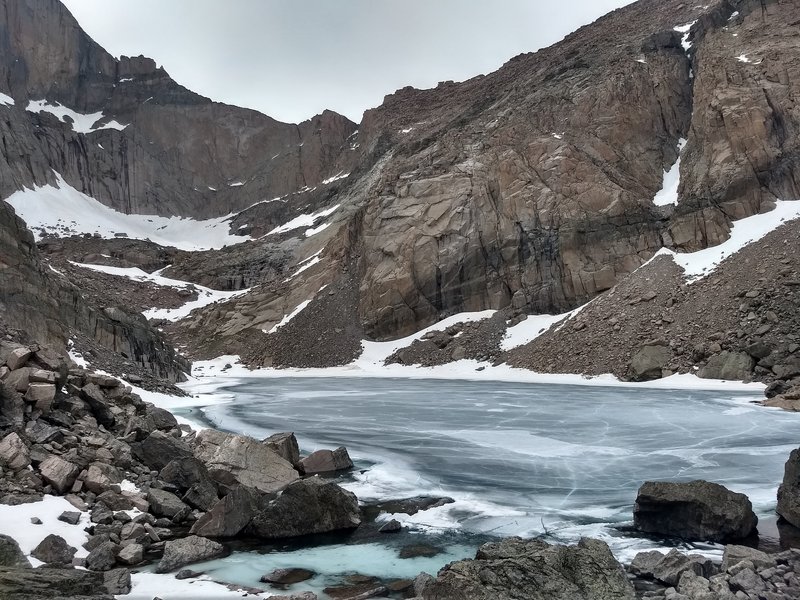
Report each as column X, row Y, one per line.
column 149, row 491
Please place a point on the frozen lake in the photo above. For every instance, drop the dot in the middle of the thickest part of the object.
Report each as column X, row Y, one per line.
column 519, row 459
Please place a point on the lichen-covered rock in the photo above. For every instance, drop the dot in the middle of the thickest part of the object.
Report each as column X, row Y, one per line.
column 251, row 462
column 305, row 507
column 516, row 569
column 695, row 510
column 789, row 490
column 188, row 550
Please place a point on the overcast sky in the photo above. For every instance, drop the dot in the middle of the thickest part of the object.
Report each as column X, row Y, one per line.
column 293, row 58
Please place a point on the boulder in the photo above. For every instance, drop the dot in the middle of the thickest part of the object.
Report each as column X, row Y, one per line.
column 70, row 516
column 668, row 568
column 166, row 504
column 533, row 570
column 188, row 550
column 132, row 554
column 251, row 462
column 14, row 454
column 734, row 554
column 158, row 449
column 649, row 362
column 327, row 461
column 12, row 407
column 285, row 444
column 18, row 358
column 230, row 515
column 732, row 366
column 59, row 473
column 191, row 478
column 10, row 553
column 41, row 395
column 287, row 576
column 103, row 557
column 37, row 584
column 696, row 510
column 54, row 550
column 19, row 380
column 304, row 507
column 94, row 397
column 789, row 490
column 100, row 476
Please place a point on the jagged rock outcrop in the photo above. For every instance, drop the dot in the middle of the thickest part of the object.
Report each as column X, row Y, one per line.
column 694, row 510
column 533, row 570
column 789, row 490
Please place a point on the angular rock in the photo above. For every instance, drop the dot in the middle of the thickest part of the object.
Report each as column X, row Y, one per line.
column 305, row 507
column 12, row 407
column 117, row 581
column 191, row 549
column 14, row 454
column 100, row 476
column 41, row 395
column 132, row 554
column 533, row 570
column 392, row 526
column 98, row 404
column 287, row 576
column 159, row 449
column 54, row 550
column 668, row 568
column 789, row 490
column 10, row 553
column 38, row 584
column 649, row 361
column 166, row 504
column 230, row 515
column 102, row 558
column 696, row 510
column 285, row 444
column 71, row 517
column 59, row 473
column 251, row 462
column 189, row 473
column 18, row 358
column 734, row 554
column 731, row 366
column 327, row 461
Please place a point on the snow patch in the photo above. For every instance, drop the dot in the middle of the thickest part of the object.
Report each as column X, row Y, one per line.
column 686, row 31
column 124, row 79
column 146, row 586
column 744, row 232
column 337, row 177
column 290, row 316
column 531, row 328
column 205, row 297
column 316, row 230
column 672, row 179
column 16, row 522
column 236, row 184
column 306, row 263
column 304, row 220
column 63, row 211
column 81, row 123
column 406, row 130
column 6, row 99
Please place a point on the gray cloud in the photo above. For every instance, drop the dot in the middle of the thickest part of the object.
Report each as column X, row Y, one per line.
column 293, row 58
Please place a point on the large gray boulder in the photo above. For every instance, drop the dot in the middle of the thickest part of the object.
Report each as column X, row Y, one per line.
column 732, row 366
column 695, row 510
column 166, row 504
column 517, row 569
column 37, row 584
column 54, row 550
column 649, row 362
column 10, row 553
column 59, row 473
column 14, row 454
column 307, row 506
column 100, row 476
column 668, row 568
column 789, row 490
column 230, row 515
column 158, row 449
column 326, row 461
column 192, row 479
column 286, row 445
column 188, row 550
column 251, row 462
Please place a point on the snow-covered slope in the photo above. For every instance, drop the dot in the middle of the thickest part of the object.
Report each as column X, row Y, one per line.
column 63, row 211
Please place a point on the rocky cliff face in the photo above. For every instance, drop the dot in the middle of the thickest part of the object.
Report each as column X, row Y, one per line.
column 534, row 188
column 43, row 305
column 151, row 146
